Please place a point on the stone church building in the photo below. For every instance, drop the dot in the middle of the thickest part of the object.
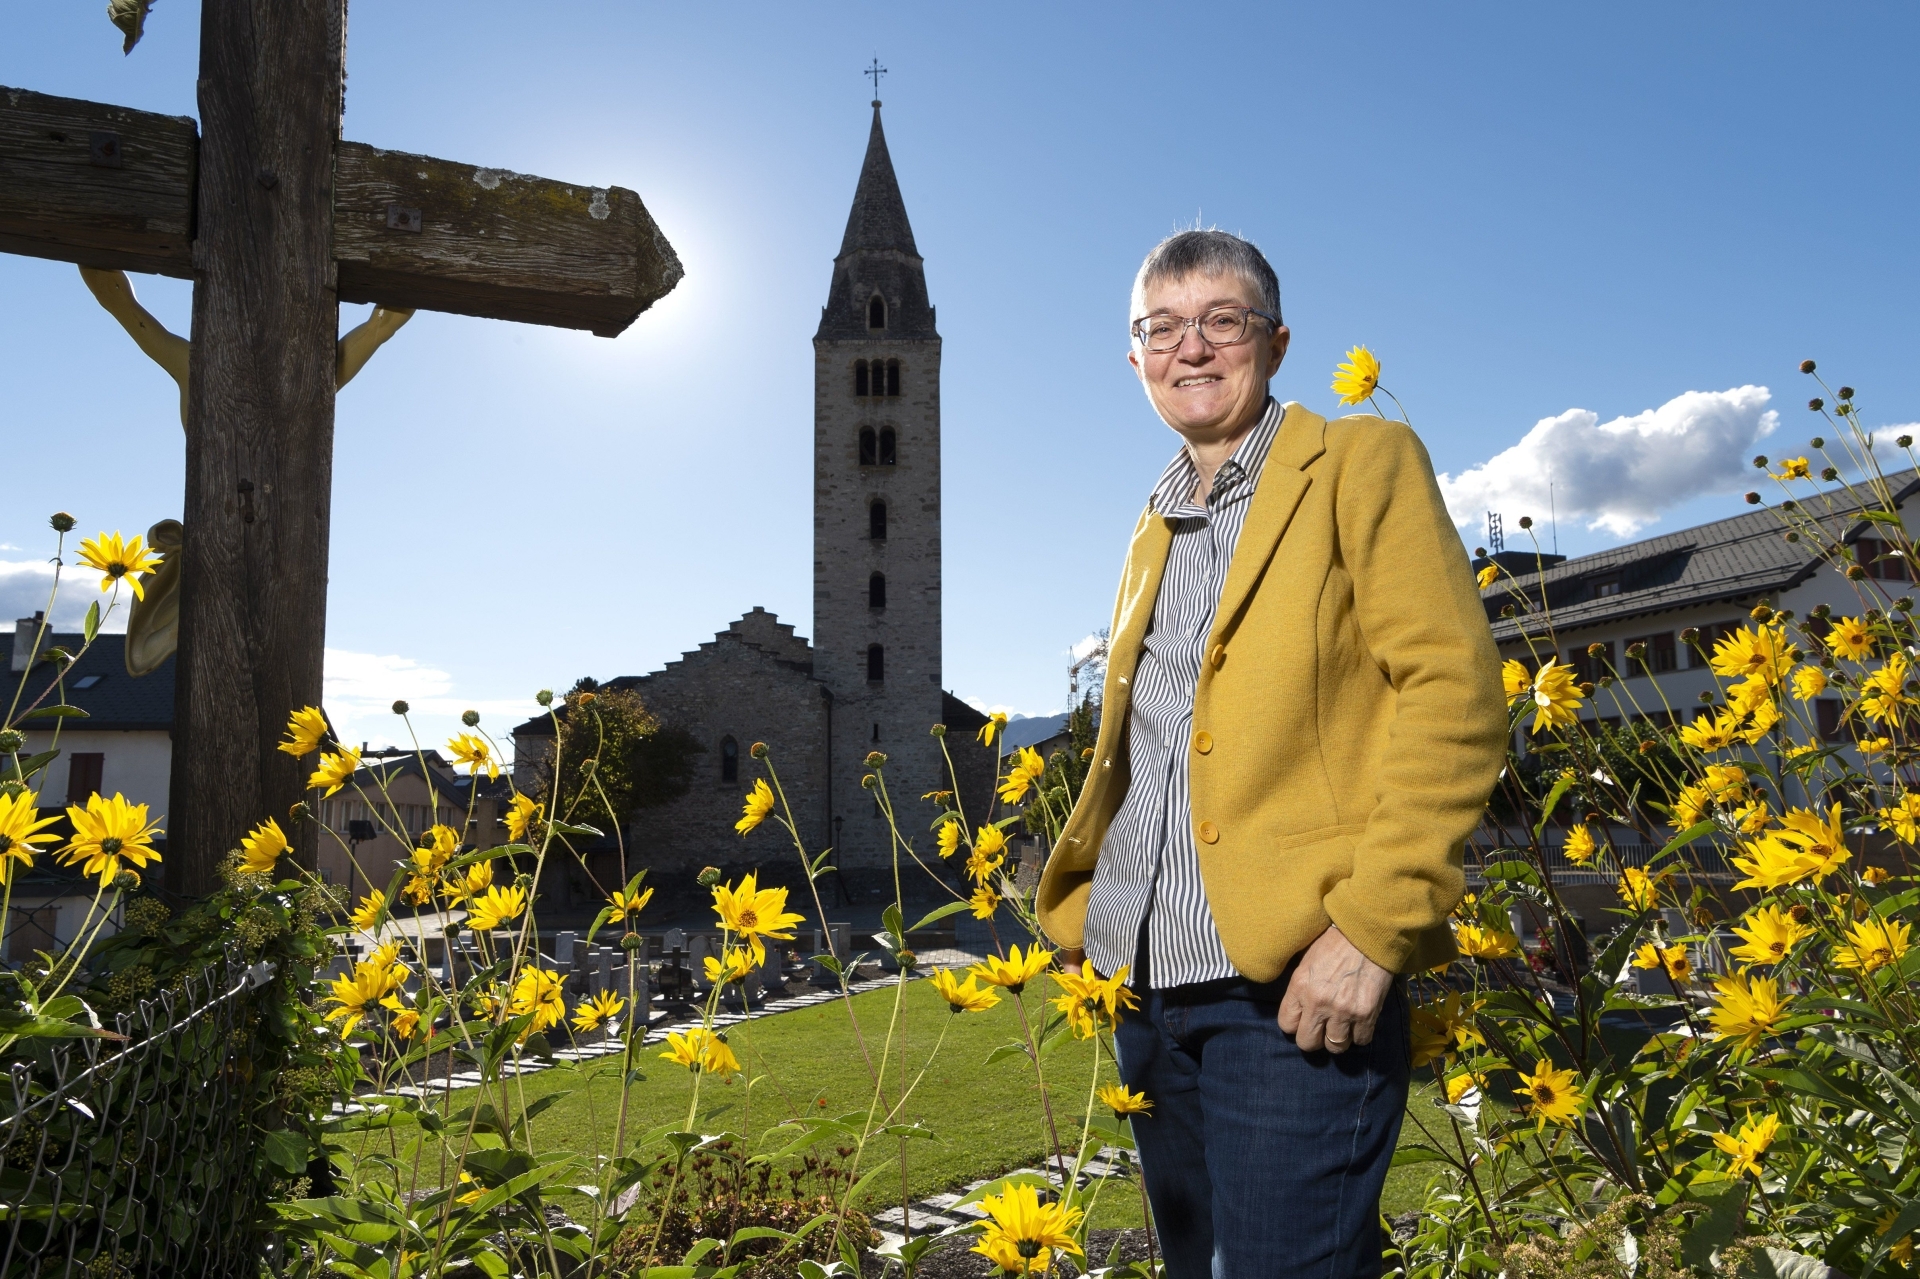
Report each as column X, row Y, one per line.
column 870, row 678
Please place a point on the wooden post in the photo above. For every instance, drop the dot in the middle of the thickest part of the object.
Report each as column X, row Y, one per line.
column 259, row 423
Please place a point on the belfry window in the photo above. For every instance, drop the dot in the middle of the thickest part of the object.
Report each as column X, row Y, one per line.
column 893, row 377
column 876, row 664
column 877, row 591
column 877, row 312
column 877, row 522
column 861, row 386
column 887, row 451
column 870, row 448
column 729, row 760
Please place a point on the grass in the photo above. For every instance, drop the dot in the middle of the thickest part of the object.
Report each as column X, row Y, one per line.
column 986, row 1118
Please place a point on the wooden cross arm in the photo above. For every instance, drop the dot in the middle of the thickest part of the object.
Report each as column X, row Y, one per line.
column 109, row 187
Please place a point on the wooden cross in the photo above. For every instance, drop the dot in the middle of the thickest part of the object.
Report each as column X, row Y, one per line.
column 277, row 221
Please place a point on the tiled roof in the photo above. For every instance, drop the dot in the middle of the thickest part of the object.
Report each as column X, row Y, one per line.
column 1728, row 559
column 114, row 701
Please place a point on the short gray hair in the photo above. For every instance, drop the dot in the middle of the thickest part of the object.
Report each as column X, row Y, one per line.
column 1209, row 252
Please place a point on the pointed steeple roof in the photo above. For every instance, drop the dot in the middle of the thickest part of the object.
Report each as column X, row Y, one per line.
column 878, row 219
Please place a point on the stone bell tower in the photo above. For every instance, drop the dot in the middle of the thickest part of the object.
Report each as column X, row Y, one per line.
column 876, row 515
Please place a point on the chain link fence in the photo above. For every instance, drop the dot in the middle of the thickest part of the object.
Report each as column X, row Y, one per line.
column 129, row 1159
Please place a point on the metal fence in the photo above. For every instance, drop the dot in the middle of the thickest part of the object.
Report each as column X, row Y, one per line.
column 136, row 1159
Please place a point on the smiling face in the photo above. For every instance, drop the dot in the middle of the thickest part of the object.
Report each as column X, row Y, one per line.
column 1211, row 395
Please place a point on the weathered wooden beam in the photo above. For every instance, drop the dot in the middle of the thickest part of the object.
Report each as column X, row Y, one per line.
column 95, row 184
column 437, row 235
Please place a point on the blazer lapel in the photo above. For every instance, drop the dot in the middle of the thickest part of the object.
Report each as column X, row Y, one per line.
column 1283, row 482
column 1139, row 588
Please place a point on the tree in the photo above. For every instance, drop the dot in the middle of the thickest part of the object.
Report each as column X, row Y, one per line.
column 614, row 756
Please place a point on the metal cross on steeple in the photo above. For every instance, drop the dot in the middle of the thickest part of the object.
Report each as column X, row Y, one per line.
column 875, row 71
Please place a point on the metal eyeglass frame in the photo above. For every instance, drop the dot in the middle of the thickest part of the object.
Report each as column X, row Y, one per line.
column 1193, row 322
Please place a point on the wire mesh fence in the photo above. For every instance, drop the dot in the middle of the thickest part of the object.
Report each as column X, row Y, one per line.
column 135, row 1158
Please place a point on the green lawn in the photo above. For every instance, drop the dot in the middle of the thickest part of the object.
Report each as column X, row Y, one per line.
column 986, row 1118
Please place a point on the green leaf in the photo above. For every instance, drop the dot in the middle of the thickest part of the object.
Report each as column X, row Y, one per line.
column 56, row 712
column 890, row 920
column 1560, row 788
column 90, row 627
column 1417, row 1154
column 1005, row 1051
column 933, row 917
column 1684, row 838
column 288, row 1151
column 21, row 1025
column 1516, row 871
column 22, row 770
column 568, row 828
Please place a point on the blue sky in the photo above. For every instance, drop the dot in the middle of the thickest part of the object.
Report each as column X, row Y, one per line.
column 1530, row 213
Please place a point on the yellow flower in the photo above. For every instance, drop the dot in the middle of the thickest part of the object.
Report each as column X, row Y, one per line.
column 1016, row 970
column 736, row 965
column 104, row 832
column 1090, row 1002
column 759, row 803
column 1358, row 378
column 984, row 902
column 1579, row 847
column 1639, row 890
column 1808, row 683
column 755, row 914
column 306, row 729
column 537, row 991
column 1025, row 1230
column 1556, row 697
column 1748, row 1008
column 1690, row 807
column 1772, row 864
column 260, row 848
column 701, row 1050
column 522, row 814
column 1462, row 1087
column 467, row 748
column 1850, row 638
column 1711, row 733
column 1672, row 960
column 388, row 956
column 962, row 997
column 989, row 850
column 620, row 905
column 499, row 905
column 1123, row 1102
column 1746, row 1148
column 1872, row 945
column 1028, row 768
column 335, row 770
column 1762, row 652
column 1884, row 691
column 21, row 827
column 991, row 730
column 1477, row 942
column 418, row 890
column 477, row 880
column 1725, row 781
column 436, row 849
column 1487, row 577
column 473, row 1195
column 1767, row 935
column 1794, row 468
column 1875, row 875
column 1871, row 746
column 1553, row 1096
column 406, row 1020
column 1442, row 1026
column 1514, row 678
column 1902, row 817
column 947, row 838
column 1901, row 1252
column 588, row 1014
column 1766, row 717
column 356, row 995
column 1823, row 841
column 117, row 559
column 372, row 906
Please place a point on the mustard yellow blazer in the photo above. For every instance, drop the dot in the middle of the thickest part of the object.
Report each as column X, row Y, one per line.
column 1349, row 721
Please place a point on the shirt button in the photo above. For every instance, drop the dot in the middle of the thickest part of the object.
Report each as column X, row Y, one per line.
column 1218, row 656
column 1209, row 833
column 1203, row 741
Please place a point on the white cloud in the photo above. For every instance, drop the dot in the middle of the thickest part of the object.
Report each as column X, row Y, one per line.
column 1623, row 474
column 360, row 689
column 23, row 592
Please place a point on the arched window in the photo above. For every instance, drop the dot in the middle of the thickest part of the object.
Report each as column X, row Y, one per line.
column 876, row 663
column 877, row 591
column 893, row 377
column 729, row 760
column 860, row 384
column 877, row 312
column 869, row 446
column 886, row 446
column 877, row 521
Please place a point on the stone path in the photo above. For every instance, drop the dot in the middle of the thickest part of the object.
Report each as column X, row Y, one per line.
column 945, row 1211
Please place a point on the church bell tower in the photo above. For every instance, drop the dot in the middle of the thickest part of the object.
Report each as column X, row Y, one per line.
column 876, row 515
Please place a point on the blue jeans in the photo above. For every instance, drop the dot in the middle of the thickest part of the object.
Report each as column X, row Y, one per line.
column 1262, row 1160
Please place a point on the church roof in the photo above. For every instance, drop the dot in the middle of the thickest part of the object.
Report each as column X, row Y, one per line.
column 878, row 219
column 877, row 257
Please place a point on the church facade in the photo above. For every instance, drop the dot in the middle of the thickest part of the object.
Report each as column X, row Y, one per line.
column 870, row 679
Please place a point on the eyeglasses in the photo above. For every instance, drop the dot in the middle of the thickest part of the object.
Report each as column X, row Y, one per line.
column 1222, row 326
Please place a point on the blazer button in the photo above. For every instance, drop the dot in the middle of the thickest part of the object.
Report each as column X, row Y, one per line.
column 1203, row 741
column 1209, row 833
column 1218, row 656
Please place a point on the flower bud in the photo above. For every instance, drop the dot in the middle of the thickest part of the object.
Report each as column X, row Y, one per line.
column 1874, row 615
column 1761, row 613
column 1760, row 462
column 938, row 730
column 1904, row 441
column 875, row 759
column 1753, row 499
column 1903, row 605
column 11, row 741
column 523, row 881
column 1820, row 611
column 588, row 765
column 1606, row 681
column 62, row 522
column 1479, row 552
column 470, row 718
column 709, row 876
column 1596, row 650
column 1706, row 698
column 1799, row 912
column 1829, row 473
column 1855, row 573
column 127, row 880
column 1793, row 537
column 583, row 699
column 632, row 942
column 1647, row 748
column 906, row 959
column 1817, row 442
column 1816, row 404
column 1789, row 505
column 1690, row 636
column 544, row 697
column 1086, row 752
column 1636, row 650
column 1526, row 521
column 300, row 812
column 1586, row 688
column 1846, row 393
column 1506, row 610
column 400, row 707
column 1806, row 366
column 869, row 781
column 758, row 750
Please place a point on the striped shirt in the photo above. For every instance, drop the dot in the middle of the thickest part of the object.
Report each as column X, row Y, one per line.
column 1148, row 874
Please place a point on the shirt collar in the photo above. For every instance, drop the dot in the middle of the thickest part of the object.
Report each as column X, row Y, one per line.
column 1175, row 486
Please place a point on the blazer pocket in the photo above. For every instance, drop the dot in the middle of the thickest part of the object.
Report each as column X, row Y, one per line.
column 1319, row 833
